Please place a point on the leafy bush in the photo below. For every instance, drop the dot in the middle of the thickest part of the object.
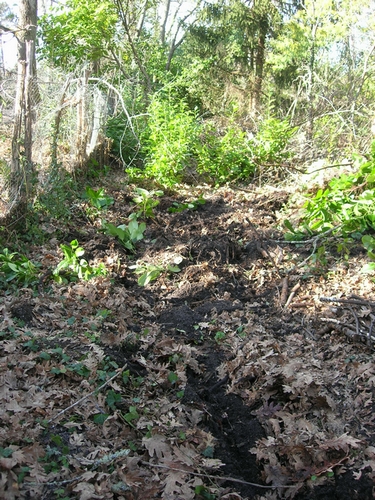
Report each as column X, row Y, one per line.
column 269, row 145
column 168, row 142
column 369, row 244
column 346, row 207
column 236, row 156
column 176, row 145
column 225, row 157
column 347, row 203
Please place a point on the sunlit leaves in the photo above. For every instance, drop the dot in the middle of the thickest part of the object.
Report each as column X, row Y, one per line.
column 78, row 32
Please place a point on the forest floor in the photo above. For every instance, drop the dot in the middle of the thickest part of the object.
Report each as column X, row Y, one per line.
column 231, row 379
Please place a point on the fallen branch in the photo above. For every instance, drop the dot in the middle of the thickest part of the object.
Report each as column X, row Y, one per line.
column 119, row 371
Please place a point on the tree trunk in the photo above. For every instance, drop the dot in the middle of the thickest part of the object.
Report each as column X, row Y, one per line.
column 256, row 90
column 310, row 83
column 22, row 167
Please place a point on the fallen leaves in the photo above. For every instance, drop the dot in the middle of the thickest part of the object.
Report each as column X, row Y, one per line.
column 95, row 389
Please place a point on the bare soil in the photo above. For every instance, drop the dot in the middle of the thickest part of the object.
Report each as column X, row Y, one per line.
column 230, row 379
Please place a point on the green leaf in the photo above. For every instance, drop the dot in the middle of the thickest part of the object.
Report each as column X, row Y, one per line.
column 125, row 376
column 209, row 452
column 45, row 356
column 173, row 269
column 58, row 371
column 112, row 398
column 131, row 415
column 368, row 268
column 100, row 418
column 172, row 377
column 289, row 226
column 6, row 452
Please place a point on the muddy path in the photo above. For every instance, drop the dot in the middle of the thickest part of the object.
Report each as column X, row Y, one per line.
column 229, row 378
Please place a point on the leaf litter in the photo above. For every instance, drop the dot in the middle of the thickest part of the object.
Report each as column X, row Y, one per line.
column 207, row 383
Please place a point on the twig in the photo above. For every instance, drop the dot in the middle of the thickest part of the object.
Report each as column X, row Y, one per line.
column 356, row 320
column 222, row 478
column 284, row 291
column 369, row 335
column 292, row 294
column 104, row 460
column 348, row 301
column 119, row 371
column 350, row 164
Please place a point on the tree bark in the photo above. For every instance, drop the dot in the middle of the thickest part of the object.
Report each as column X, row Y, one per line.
column 22, row 167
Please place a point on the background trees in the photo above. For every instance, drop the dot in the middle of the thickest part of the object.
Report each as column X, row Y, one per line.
column 232, row 65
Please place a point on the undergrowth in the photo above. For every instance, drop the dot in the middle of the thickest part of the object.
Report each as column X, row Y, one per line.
column 345, row 208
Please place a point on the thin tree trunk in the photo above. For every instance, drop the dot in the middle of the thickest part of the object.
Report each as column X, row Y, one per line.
column 311, row 81
column 82, row 131
column 22, row 167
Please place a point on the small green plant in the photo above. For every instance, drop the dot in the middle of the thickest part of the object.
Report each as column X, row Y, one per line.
column 190, row 205
column 17, row 268
column 151, row 272
column 224, row 157
column 112, row 399
column 172, row 378
column 346, row 208
column 219, row 336
column 56, row 455
column 74, row 266
column 98, row 198
column 127, row 234
column 94, row 171
column 146, row 201
column 131, row 415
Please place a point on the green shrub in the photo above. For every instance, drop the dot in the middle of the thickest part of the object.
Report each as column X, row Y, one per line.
column 168, row 142
column 348, row 202
column 234, row 156
column 224, row 158
column 346, row 207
